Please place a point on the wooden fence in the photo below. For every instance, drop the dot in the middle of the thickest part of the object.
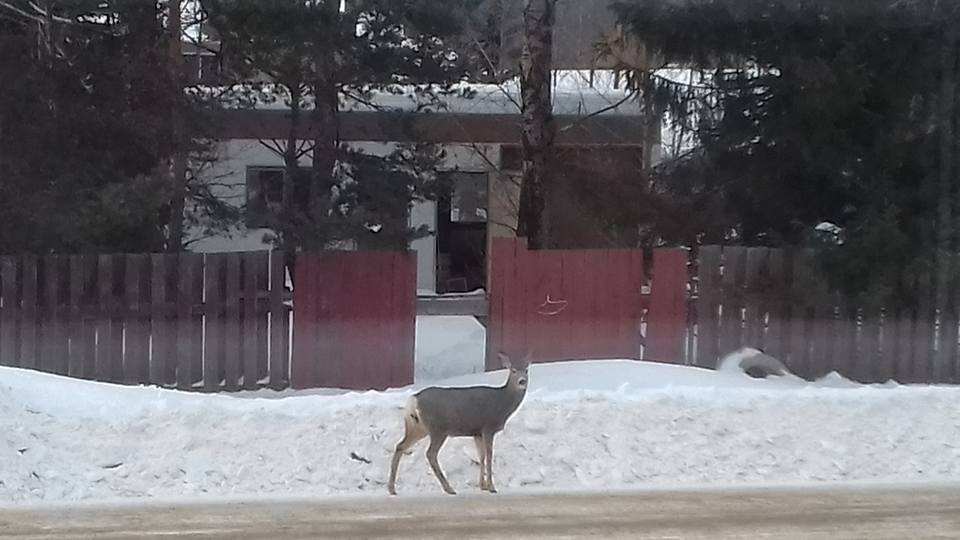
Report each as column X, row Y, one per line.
column 221, row 321
column 194, row 321
column 778, row 300
column 575, row 304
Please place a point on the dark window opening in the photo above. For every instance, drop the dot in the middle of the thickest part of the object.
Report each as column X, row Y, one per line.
column 265, row 193
column 462, row 233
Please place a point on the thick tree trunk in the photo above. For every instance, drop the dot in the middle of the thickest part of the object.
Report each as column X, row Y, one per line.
column 945, row 186
column 537, row 128
column 178, row 167
column 948, row 215
column 325, row 121
column 288, row 220
column 948, row 90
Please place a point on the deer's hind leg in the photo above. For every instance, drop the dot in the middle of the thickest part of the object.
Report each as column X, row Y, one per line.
column 413, row 432
column 436, row 441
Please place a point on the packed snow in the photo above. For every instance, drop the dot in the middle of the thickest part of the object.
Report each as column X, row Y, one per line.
column 584, row 425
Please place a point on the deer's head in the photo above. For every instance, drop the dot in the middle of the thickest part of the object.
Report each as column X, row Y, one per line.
column 516, row 370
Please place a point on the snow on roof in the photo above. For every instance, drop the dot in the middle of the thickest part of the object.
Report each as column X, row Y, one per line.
column 575, row 92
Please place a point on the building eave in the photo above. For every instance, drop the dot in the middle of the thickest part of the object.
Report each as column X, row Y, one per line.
column 434, row 127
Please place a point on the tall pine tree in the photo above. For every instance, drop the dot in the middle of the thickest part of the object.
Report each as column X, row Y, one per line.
column 808, row 111
column 314, row 56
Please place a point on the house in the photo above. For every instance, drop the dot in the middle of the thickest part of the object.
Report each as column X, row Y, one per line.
column 481, row 138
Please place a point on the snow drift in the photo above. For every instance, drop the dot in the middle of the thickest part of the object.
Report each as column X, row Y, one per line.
column 584, row 425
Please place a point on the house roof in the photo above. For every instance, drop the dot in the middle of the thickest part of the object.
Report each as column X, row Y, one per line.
column 908, row 13
column 439, row 127
column 574, row 92
column 589, row 108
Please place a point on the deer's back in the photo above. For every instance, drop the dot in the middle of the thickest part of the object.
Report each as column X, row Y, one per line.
column 466, row 412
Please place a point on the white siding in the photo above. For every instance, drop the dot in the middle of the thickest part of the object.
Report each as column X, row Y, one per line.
column 234, row 156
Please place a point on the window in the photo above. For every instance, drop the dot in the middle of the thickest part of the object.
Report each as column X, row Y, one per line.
column 468, row 197
column 264, row 195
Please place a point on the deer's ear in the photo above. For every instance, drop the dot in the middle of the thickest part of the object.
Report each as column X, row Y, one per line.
column 528, row 358
column 504, row 359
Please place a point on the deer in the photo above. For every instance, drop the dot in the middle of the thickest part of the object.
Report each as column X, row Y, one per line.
column 474, row 411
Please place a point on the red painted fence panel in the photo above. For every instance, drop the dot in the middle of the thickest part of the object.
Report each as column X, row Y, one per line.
column 354, row 320
column 581, row 304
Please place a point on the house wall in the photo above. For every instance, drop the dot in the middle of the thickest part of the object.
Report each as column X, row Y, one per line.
column 228, row 174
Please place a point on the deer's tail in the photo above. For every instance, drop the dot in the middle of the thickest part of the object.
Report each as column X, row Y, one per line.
column 411, row 412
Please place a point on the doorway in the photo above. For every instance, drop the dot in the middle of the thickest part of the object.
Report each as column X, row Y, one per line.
column 462, row 233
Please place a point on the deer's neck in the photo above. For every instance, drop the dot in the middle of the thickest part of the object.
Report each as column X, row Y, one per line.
column 515, row 397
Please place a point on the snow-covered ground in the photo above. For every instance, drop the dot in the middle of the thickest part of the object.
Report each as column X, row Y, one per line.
column 448, row 346
column 584, row 425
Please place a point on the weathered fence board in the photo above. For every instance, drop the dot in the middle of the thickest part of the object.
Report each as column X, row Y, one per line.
column 780, row 300
column 249, row 350
column 185, row 325
column 9, row 311
column 165, row 319
column 777, row 331
column 162, row 361
column 279, row 324
column 708, row 322
column 52, row 338
column 952, row 323
column 232, row 325
column 75, row 361
column 136, row 356
column 28, row 326
column 731, row 298
column 213, row 342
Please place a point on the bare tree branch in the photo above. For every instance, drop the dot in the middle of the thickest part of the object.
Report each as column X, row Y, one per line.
column 490, row 64
column 304, row 149
column 275, row 148
column 598, row 112
column 360, row 99
column 46, row 14
column 35, row 18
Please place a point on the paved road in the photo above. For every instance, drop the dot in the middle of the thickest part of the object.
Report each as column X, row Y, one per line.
column 747, row 514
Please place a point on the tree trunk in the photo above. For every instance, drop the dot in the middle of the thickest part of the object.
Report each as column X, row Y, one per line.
column 944, row 224
column 325, row 122
column 537, row 125
column 178, row 167
column 289, row 215
column 948, row 90
column 949, row 239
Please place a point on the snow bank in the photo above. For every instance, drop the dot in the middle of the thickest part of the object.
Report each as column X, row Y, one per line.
column 448, row 346
column 584, row 425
